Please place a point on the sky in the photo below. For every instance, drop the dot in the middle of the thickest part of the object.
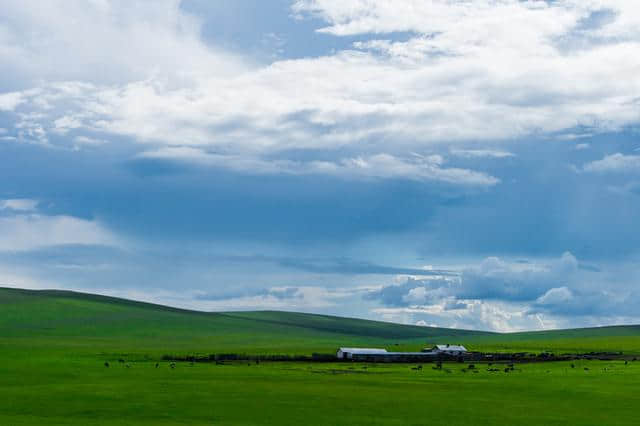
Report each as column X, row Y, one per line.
column 454, row 163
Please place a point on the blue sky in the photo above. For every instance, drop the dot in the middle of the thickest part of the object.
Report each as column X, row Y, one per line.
column 450, row 163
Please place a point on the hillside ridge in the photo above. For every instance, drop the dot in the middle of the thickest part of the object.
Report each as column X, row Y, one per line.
column 277, row 317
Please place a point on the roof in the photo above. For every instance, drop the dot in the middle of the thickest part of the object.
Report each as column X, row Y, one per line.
column 363, row 351
column 454, row 348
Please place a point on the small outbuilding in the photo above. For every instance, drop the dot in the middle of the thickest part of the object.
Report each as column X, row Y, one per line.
column 454, row 350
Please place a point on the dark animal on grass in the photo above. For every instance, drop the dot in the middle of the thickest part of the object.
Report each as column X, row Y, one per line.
column 106, row 364
column 573, row 366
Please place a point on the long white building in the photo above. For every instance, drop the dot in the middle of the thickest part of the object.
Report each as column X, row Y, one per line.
column 349, row 352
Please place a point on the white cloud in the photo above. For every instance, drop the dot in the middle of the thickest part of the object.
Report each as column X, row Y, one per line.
column 477, row 315
column 481, row 153
column 495, row 294
column 353, row 17
column 19, row 204
column 555, row 296
column 10, row 276
column 112, row 41
column 25, row 232
column 470, row 71
column 614, row 163
column 300, row 298
column 87, row 141
column 9, row 101
column 378, row 166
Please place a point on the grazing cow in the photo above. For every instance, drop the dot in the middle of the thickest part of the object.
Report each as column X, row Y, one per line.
column 106, row 364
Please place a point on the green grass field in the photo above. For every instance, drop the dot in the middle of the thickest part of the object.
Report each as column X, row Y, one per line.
column 53, row 346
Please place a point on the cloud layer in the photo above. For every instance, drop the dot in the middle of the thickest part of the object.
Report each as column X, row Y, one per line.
column 455, row 148
column 480, row 71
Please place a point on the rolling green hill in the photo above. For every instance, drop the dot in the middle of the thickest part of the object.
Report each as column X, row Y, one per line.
column 54, row 346
column 55, row 319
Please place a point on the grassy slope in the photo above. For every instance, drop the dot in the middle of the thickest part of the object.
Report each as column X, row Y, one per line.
column 57, row 319
column 91, row 321
column 53, row 346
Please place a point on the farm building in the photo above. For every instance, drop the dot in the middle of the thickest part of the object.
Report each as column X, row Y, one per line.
column 448, row 350
column 347, row 353
column 381, row 355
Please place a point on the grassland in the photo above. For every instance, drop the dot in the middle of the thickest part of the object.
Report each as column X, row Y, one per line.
column 53, row 346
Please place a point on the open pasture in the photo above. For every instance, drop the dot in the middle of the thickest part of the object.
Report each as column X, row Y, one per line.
column 54, row 346
column 82, row 391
